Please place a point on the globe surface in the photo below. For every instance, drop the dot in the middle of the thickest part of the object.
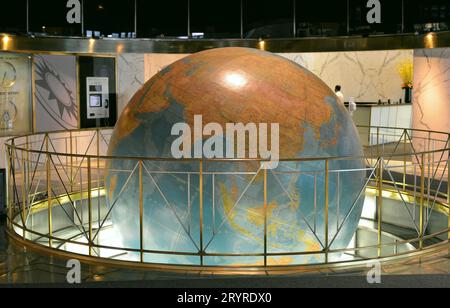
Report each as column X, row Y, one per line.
column 235, row 85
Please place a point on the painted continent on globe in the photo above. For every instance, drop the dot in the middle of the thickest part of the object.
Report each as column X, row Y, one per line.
column 235, row 85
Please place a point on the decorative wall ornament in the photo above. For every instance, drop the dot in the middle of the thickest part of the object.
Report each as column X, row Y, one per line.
column 15, row 94
column 56, row 104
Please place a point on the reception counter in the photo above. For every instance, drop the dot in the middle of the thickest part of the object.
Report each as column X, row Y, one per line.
column 397, row 115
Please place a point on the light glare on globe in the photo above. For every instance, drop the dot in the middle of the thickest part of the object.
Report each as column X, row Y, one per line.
column 235, row 79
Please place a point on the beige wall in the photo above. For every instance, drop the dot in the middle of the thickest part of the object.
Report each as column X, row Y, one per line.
column 135, row 69
column 432, row 89
column 130, row 77
column 431, row 100
column 365, row 75
column 156, row 62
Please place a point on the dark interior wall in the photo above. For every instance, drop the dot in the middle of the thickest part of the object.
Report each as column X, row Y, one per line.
column 97, row 67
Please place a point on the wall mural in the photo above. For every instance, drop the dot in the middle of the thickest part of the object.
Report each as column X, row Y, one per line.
column 56, row 93
column 15, row 94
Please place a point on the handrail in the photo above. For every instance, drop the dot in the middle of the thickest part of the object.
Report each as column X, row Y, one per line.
column 10, row 144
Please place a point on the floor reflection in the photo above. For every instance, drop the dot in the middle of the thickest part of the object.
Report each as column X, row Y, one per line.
column 19, row 266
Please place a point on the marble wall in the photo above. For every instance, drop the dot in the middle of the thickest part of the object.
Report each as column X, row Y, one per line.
column 157, row 61
column 432, row 89
column 365, row 75
column 135, row 69
column 431, row 100
column 130, row 77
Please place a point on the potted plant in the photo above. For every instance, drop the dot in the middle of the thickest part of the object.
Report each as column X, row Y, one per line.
column 405, row 70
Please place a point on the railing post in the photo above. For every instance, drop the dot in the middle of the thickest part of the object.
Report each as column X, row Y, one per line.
column 448, row 189
column 24, row 197
column 28, row 179
column 429, row 147
column 422, row 200
column 327, row 178
column 27, row 152
column 71, row 161
column 380, row 206
column 315, row 204
column 378, row 141
column 8, row 195
column 98, row 141
column 141, row 214
column 265, row 215
column 429, row 175
column 49, row 194
column 201, row 210
column 89, row 188
column 404, row 160
column 98, row 180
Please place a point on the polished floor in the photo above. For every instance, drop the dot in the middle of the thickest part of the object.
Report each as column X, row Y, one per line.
column 19, row 267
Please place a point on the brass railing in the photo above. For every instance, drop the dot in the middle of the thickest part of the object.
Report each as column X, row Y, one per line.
column 54, row 178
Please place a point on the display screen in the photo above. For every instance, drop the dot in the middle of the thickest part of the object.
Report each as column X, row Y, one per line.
column 95, row 88
column 95, row 100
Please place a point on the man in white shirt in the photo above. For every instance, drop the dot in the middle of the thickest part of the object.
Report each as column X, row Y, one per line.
column 339, row 94
column 351, row 106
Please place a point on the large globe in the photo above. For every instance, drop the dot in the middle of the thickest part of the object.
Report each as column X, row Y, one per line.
column 235, row 85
